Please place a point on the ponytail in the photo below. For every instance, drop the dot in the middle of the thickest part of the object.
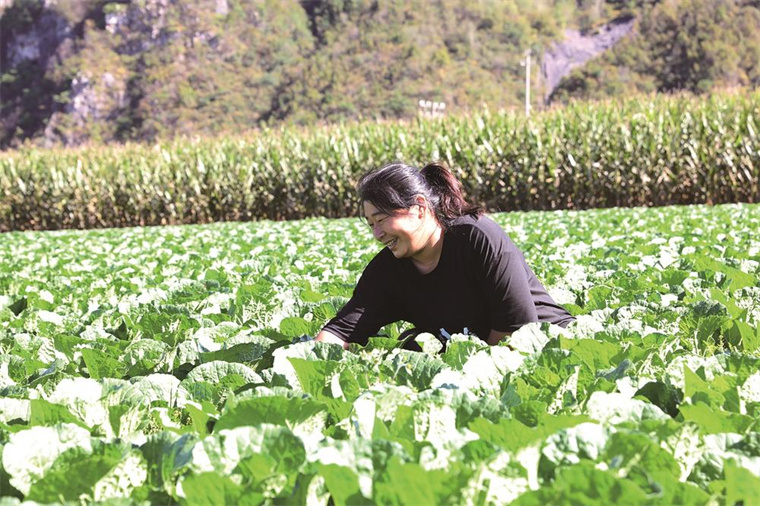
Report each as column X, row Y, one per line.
column 451, row 202
column 396, row 186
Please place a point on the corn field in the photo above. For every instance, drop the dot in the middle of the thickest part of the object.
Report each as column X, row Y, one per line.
column 648, row 151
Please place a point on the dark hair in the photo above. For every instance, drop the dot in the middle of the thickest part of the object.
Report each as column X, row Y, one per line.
column 396, row 185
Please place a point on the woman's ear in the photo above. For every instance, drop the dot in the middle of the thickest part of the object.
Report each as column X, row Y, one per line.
column 422, row 203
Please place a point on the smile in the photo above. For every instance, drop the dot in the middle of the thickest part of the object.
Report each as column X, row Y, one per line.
column 391, row 244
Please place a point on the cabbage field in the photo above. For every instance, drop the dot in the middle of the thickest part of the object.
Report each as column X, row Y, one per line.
column 172, row 365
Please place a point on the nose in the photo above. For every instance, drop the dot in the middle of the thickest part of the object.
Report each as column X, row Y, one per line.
column 377, row 231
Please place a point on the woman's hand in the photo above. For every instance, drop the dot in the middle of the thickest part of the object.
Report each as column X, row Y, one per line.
column 328, row 337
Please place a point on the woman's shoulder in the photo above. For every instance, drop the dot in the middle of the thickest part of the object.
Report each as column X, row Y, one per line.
column 481, row 234
column 476, row 226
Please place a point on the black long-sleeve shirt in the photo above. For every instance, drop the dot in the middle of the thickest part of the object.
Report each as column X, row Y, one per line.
column 481, row 282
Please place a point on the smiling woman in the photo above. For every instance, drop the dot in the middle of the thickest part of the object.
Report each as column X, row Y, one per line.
column 446, row 267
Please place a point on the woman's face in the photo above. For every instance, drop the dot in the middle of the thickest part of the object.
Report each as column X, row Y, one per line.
column 401, row 232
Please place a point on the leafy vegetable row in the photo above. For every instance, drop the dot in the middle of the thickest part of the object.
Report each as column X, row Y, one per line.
column 159, row 364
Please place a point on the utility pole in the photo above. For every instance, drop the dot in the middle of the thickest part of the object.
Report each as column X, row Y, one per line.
column 526, row 63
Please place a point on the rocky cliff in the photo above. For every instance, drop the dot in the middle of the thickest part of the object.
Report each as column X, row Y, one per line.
column 71, row 66
column 576, row 48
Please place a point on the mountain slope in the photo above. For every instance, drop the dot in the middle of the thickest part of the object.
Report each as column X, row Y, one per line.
column 77, row 71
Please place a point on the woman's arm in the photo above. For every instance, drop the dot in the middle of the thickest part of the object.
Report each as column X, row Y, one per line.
column 369, row 309
column 325, row 336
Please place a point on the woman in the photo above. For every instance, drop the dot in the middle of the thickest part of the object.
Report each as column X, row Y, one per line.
column 446, row 267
